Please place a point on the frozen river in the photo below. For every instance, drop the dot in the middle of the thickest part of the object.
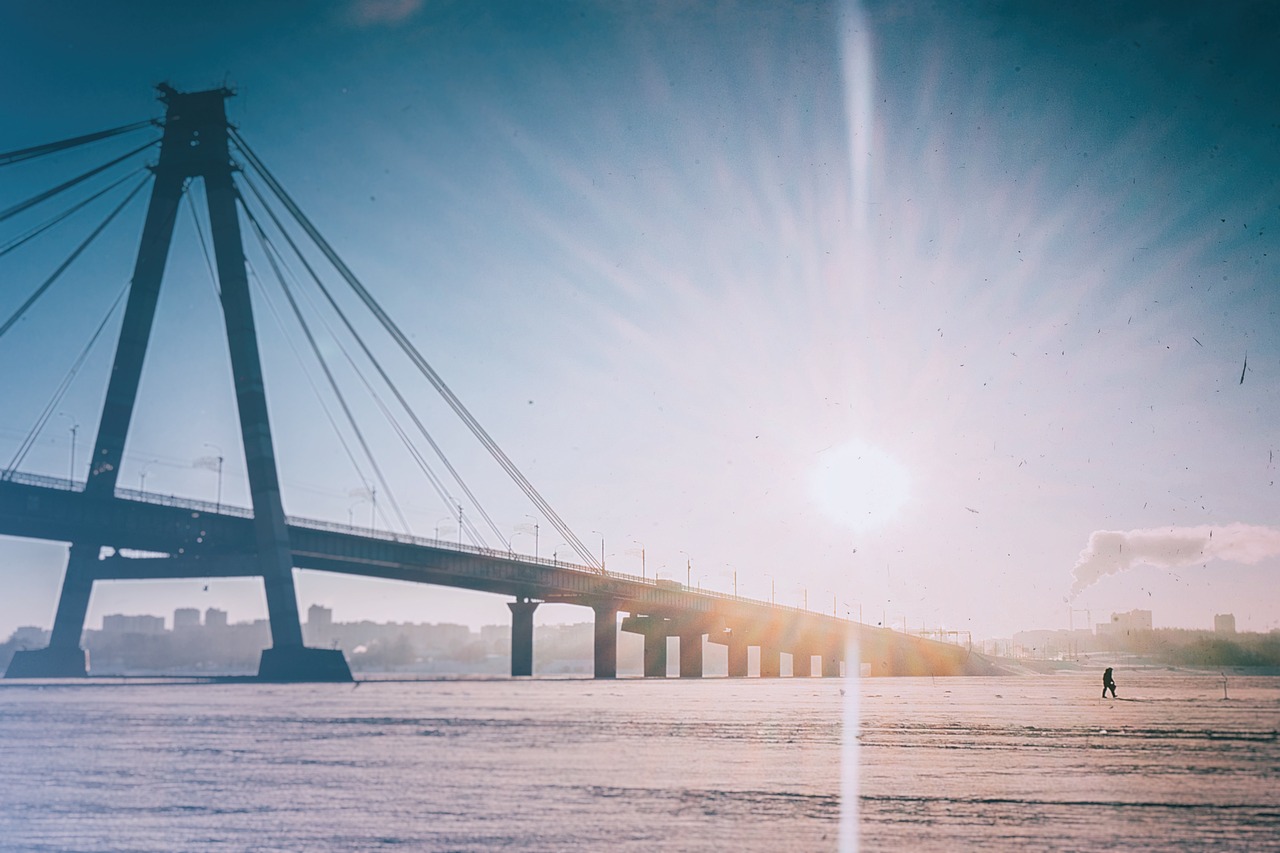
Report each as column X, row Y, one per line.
column 1010, row 763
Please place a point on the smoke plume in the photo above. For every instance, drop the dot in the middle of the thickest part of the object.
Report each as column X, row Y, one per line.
column 1112, row 551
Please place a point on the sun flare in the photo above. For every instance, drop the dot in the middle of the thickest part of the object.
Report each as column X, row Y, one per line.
column 859, row 486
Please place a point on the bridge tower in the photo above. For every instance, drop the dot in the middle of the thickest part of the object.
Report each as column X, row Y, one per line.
column 194, row 145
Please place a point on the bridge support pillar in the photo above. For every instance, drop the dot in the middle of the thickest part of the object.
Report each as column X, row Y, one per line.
column 522, row 636
column 770, row 662
column 831, row 657
column 302, row 664
column 691, row 655
column 801, row 664
column 63, row 658
column 606, row 640
column 737, row 658
column 656, row 651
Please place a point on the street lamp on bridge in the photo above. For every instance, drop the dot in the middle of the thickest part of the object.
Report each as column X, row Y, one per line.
column 75, row 428
column 601, row 535
column 535, row 534
column 218, row 459
column 142, row 475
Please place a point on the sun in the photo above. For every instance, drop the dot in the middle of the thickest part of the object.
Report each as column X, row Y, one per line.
column 859, row 486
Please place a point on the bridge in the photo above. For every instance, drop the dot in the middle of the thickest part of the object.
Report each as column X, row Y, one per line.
column 118, row 533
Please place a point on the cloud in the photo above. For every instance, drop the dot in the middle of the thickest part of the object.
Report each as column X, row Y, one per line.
column 1112, row 551
column 368, row 13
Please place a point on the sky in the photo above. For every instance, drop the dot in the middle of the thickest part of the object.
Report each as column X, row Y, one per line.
column 947, row 316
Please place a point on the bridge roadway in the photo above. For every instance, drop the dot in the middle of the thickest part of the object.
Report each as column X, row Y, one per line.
column 155, row 537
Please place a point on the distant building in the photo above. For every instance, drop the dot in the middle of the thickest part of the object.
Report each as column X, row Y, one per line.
column 496, row 638
column 215, row 618
column 119, row 624
column 186, row 618
column 30, row 637
column 319, row 616
column 1224, row 623
column 1126, row 623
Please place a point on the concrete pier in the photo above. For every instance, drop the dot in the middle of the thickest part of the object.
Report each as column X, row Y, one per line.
column 691, row 655
column 801, row 664
column 655, row 630
column 737, row 658
column 606, row 640
column 301, row 664
column 831, row 658
column 522, row 636
column 63, row 658
column 770, row 662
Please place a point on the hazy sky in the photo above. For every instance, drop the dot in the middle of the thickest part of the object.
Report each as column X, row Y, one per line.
column 924, row 309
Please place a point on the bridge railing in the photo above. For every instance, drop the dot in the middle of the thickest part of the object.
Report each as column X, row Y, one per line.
column 498, row 554
column 65, row 484
column 14, row 476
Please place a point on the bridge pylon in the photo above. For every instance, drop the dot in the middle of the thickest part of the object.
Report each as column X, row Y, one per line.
column 194, row 145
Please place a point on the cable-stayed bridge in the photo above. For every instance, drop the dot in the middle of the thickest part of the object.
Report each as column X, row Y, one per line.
column 118, row 533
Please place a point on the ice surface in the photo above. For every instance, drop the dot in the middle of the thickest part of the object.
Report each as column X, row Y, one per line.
column 1014, row 763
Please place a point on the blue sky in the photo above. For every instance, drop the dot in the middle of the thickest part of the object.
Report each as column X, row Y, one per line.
column 902, row 340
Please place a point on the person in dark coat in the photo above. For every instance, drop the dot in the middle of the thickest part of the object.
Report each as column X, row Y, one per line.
column 1108, row 683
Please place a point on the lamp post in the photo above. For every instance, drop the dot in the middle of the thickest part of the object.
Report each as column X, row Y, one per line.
column 535, row 534
column 771, row 587
column 219, row 458
column 438, row 520
column 75, row 428
column 601, row 535
column 688, row 569
column 641, row 544
column 142, row 476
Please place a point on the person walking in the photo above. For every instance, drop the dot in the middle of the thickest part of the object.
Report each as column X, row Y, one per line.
column 1108, row 683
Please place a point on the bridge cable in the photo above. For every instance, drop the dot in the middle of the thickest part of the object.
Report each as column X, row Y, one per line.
column 66, row 185
column 374, row 361
column 456, row 404
column 70, row 259
column 51, row 147
column 437, row 484
column 269, row 250
column 416, row 357
column 213, row 278
column 40, row 229
column 469, row 526
column 466, row 523
column 62, row 388
column 275, row 313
